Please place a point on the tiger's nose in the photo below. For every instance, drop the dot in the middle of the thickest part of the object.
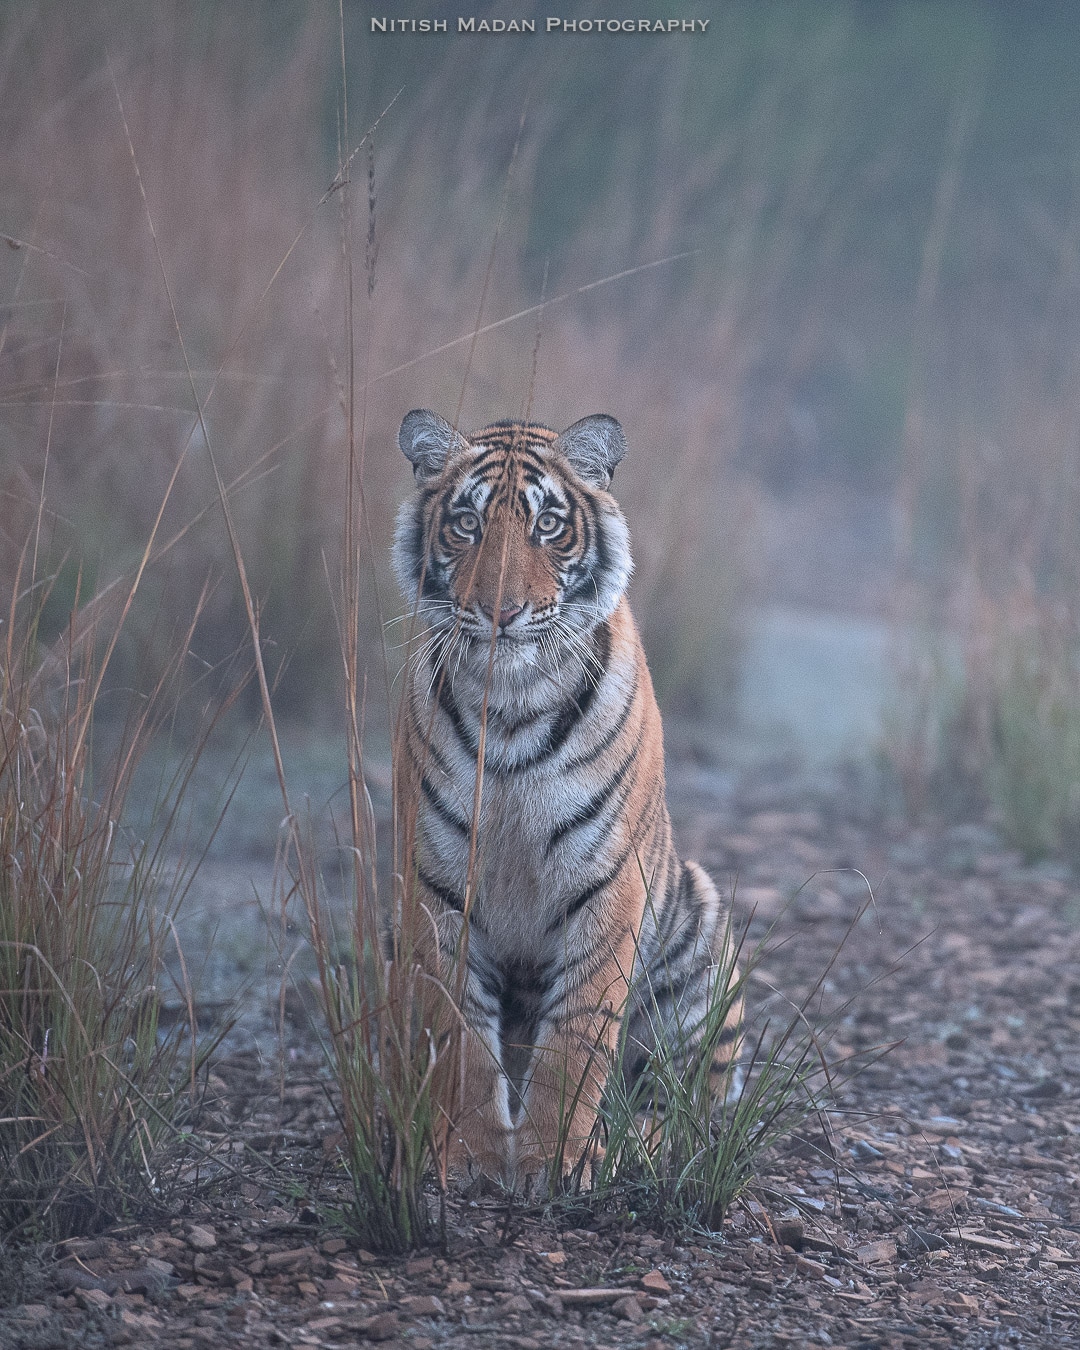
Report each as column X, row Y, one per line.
column 506, row 615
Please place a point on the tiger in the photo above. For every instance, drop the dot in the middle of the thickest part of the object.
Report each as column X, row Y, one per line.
column 558, row 884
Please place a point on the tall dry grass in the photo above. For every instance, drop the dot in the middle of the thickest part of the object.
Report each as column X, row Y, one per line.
column 188, row 299
column 235, row 130
column 987, row 713
column 94, row 1090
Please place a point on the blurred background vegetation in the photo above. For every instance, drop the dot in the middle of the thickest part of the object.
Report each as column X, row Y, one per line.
column 852, row 397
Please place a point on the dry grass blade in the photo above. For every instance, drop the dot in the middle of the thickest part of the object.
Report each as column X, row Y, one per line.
column 588, row 286
column 92, row 1090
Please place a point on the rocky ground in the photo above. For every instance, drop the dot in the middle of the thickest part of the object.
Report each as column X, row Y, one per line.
column 938, row 1203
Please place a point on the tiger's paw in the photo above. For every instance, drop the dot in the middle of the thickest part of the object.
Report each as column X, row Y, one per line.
column 480, row 1158
column 538, row 1177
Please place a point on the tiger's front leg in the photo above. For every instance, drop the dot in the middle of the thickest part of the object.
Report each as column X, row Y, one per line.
column 482, row 1130
column 473, row 1093
column 479, row 1105
column 566, row 1078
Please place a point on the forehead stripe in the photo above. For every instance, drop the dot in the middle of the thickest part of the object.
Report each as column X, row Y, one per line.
column 496, row 454
column 509, row 430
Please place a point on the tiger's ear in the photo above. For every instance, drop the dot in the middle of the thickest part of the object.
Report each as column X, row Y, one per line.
column 593, row 447
column 427, row 440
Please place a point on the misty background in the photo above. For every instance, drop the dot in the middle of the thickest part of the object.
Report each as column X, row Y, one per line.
column 822, row 262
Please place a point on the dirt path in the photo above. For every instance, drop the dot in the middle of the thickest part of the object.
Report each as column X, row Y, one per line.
column 938, row 1206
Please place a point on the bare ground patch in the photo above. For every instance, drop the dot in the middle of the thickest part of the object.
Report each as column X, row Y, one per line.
column 937, row 1205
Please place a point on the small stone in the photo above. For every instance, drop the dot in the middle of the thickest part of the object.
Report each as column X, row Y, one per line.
column 654, row 1283
column 381, row 1327
column 628, row 1308
column 814, row 1270
column 93, row 1298
column 32, row 1312
column 964, row 1304
column 423, row 1305
column 332, row 1246
column 456, row 1287
column 293, row 1259
column 914, row 1242
column 1044, row 1088
column 145, row 1322
column 420, row 1265
column 553, row 1258
column 308, row 1289
column 201, row 1239
column 548, row 1303
column 871, row 1252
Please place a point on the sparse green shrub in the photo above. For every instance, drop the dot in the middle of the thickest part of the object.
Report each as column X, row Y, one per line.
column 676, row 1156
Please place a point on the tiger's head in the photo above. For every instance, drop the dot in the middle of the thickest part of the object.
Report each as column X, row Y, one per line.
column 512, row 530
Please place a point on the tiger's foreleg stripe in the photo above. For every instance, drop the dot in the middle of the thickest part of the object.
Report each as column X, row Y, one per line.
column 450, row 898
column 610, row 736
column 450, row 708
column 669, row 951
column 592, row 808
column 581, row 900
column 427, row 747
column 440, row 807
column 577, row 709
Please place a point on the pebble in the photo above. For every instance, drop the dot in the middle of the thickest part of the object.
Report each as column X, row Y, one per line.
column 37, row 1312
column 629, row 1309
column 381, row 1327
column 201, row 1239
column 871, row 1252
column 515, row 1303
column 423, row 1305
column 790, row 1232
column 654, row 1283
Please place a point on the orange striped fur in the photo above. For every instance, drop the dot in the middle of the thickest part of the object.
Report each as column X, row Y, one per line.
column 580, row 915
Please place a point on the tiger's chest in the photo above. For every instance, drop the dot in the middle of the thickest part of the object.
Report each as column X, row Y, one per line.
column 525, row 864
column 550, row 812
column 522, row 883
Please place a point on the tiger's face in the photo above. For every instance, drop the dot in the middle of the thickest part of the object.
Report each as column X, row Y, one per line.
column 512, row 531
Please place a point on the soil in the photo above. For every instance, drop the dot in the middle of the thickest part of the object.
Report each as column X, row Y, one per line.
column 937, row 1204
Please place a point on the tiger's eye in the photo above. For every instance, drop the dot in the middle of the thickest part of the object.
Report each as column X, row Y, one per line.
column 548, row 523
column 468, row 522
